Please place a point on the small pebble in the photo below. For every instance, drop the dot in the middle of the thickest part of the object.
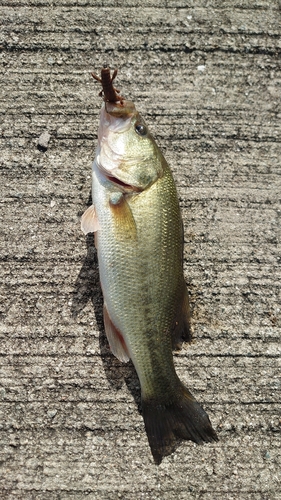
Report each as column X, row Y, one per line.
column 52, row 413
column 43, row 141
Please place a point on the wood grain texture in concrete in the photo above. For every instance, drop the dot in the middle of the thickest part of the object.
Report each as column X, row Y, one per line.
column 206, row 77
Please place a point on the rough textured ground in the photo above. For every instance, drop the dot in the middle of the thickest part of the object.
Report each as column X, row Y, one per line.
column 206, row 77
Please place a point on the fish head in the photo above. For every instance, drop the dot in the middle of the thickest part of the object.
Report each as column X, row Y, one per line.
column 127, row 153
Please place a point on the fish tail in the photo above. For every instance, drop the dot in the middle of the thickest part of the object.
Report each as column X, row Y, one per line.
column 179, row 417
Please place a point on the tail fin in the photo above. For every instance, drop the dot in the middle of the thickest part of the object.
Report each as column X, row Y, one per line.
column 181, row 417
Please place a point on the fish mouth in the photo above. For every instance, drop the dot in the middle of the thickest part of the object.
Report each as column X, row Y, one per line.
column 125, row 110
column 127, row 188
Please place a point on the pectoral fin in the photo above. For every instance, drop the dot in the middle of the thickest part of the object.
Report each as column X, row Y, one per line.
column 182, row 330
column 89, row 221
column 124, row 222
column 115, row 338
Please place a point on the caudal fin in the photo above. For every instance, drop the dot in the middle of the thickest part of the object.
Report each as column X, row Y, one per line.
column 180, row 417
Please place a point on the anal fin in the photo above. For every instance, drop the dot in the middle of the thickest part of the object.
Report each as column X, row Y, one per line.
column 115, row 338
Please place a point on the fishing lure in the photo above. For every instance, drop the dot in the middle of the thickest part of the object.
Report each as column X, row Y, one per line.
column 109, row 92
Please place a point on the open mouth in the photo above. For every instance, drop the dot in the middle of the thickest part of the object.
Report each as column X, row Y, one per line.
column 126, row 187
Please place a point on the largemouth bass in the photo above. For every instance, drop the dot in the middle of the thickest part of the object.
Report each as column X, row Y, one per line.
column 139, row 238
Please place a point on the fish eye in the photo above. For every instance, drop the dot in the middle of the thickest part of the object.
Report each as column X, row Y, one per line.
column 140, row 129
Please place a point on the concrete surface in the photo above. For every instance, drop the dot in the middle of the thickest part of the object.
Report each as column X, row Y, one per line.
column 206, row 77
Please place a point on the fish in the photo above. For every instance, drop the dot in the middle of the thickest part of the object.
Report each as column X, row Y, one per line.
column 138, row 229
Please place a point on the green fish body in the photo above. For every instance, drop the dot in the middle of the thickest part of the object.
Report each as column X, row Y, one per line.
column 139, row 239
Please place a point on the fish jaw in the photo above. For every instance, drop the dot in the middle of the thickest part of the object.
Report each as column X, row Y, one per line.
column 132, row 161
column 114, row 119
